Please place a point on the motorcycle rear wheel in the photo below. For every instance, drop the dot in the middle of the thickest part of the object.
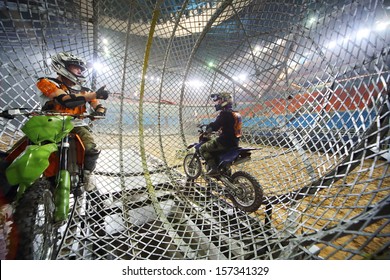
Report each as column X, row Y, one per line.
column 34, row 222
column 192, row 166
column 248, row 194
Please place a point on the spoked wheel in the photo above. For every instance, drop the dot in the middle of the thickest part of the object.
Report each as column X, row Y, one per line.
column 248, row 193
column 34, row 222
column 192, row 166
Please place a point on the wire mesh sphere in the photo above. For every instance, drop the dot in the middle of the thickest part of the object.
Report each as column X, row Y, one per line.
column 309, row 79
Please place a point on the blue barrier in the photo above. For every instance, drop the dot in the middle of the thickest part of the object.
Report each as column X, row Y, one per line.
column 339, row 120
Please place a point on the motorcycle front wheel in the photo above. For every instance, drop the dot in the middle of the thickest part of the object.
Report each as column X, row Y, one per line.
column 248, row 193
column 34, row 222
column 192, row 166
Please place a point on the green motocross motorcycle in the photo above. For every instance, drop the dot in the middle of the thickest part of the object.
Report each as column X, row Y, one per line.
column 39, row 174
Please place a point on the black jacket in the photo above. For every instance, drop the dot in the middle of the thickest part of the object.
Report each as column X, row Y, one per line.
column 229, row 122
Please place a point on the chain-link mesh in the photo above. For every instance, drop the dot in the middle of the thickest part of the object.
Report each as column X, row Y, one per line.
column 310, row 79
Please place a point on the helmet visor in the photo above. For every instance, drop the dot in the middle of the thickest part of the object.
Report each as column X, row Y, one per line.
column 215, row 97
column 79, row 64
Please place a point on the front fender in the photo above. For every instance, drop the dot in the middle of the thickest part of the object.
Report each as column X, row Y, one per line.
column 29, row 165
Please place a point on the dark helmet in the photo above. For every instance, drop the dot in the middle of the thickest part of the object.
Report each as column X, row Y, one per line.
column 60, row 63
column 226, row 100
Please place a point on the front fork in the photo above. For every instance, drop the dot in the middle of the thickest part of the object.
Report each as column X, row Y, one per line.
column 232, row 188
column 227, row 182
column 63, row 182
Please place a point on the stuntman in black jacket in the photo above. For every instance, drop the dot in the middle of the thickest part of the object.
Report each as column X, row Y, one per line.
column 229, row 123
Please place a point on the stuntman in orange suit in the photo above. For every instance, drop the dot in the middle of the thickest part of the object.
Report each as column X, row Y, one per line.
column 66, row 94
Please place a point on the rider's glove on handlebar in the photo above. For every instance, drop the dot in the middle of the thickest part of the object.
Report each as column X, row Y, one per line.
column 101, row 93
column 99, row 111
column 98, row 114
column 95, row 115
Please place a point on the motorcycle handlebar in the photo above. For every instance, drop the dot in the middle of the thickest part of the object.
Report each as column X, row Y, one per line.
column 12, row 113
column 201, row 125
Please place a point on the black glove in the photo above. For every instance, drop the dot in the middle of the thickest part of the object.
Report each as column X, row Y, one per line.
column 101, row 93
column 102, row 111
column 98, row 114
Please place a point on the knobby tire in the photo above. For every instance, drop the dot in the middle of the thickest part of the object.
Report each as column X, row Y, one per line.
column 34, row 222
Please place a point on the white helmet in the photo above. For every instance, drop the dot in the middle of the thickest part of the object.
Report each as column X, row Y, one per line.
column 60, row 63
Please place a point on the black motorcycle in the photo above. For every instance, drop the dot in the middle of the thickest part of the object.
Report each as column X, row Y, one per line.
column 242, row 188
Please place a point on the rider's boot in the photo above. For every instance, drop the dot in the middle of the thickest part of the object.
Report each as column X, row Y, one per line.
column 89, row 181
column 213, row 170
column 91, row 157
